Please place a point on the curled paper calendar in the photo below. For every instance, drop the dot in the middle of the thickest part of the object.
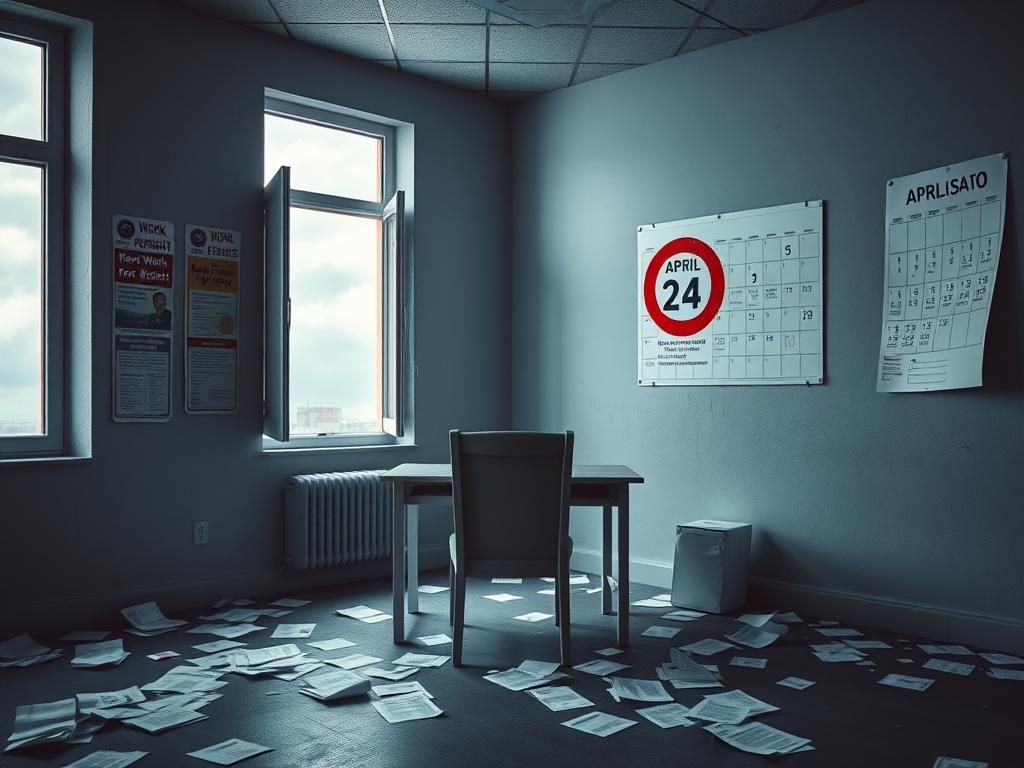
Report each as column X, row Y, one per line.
column 733, row 298
column 944, row 229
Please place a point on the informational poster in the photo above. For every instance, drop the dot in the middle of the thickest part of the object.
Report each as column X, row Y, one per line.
column 944, row 229
column 733, row 298
column 143, row 253
column 211, row 345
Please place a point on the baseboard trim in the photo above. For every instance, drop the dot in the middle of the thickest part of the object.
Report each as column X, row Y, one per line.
column 890, row 614
column 102, row 609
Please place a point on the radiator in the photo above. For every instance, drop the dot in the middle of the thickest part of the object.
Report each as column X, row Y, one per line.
column 336, row 518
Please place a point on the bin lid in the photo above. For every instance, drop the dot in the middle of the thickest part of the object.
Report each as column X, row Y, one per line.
column 715, row 525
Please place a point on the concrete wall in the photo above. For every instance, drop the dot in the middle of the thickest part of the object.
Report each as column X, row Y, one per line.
column 178, row 134
column 902, row 511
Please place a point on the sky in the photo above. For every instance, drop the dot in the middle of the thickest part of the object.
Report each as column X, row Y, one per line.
column 20, row 243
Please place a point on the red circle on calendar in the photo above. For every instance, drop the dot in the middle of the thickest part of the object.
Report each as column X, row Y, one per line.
column 703, row 251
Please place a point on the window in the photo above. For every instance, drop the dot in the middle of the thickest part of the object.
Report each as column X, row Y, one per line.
column 335, row 313
column 32, row 248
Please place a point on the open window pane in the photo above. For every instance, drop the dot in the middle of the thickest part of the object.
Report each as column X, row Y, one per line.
column 328, row 161
column 21, row 300
column 335, row 329
column 21, row 89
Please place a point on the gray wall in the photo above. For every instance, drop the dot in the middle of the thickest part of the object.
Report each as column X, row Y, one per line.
column 178, row 134
column 896, row 510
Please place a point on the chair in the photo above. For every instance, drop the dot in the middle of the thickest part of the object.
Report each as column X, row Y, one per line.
column 511, row 504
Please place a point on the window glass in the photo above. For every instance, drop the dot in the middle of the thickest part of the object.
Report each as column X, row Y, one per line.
column 21, row 89
column 21, row 300
column 326, row 160
column 334, row 375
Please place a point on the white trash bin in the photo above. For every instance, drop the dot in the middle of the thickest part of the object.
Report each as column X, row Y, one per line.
column 711, row 564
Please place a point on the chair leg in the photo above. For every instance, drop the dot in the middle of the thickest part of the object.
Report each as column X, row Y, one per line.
column 562, row 613
column 460, row 618
column 558, row 612
column 451, row 593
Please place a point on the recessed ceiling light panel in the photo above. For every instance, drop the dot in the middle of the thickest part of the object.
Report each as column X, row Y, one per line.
column 541, row 13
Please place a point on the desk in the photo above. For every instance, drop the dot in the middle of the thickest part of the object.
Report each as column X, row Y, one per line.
column 593, row 485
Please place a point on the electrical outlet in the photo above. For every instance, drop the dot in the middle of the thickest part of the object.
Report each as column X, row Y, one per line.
column 201, row 532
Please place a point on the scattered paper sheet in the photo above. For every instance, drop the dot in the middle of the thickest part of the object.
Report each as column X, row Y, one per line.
column 601, row 667
column 420, row 660
column 230, row 752
column 758, row 738
column 683, row 672
column 796, row 682
column 165, row 719
column 651, row 602
column 867, row 645
column 907, row 681
column 332, row 645
column 395, row 673
column 336, row 684
column 720, row 712
column 106, row 653
column 290, row 602
column 517, row 680
column 147, row 619
column 637, row 690
column 949, row 666
column 504, row 597
column 538, row 668
column 434, row 639
column 788, row 618
column 87, row 702
column 225, row 630
column 243, row 601
column 1000, row 658
column 708, row 647
column 395, row 689
column 186, row 680
column 746, row 661
column 905, row 661
column 559, row 698
column 364, row 613
column 578, row 579
column 608, row 651
column 667, row 715
column 42, row 723
column 658, row 631
column 758, row 637
column 430, row 589
column 218, row 645
column 549, row 591
column 947, row 650
column 506, row 581
column 353, row 661
column 299, row 671
column 756, row 706
column 839, row 656
column 534, row 616
column 409, row 706
column 599, row 723
column 293, row 631
column 1006, row 674
column 163, row 655
column 23, row 651
column 838, row 632
column 756, row 619
column 957, row 762
column 106, row 758
column 683, row 614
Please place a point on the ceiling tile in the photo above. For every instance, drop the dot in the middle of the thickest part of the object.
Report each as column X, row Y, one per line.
column 314, row 11
column 367, row 41
column 593, row 71
column 631, row 46
column 760, row 14
column 277, row 29
column 460, row 74
column 646, row 13
column 550, row 44
column 433, row 12
column 702, row 38
column 439, row 42
column 235, row 10
column 529, row 77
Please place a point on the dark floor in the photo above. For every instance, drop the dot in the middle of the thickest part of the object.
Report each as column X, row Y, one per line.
column 850, row 719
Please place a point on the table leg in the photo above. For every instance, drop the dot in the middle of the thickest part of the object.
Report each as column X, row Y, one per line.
column 412, row 537
column 624, row 566
column 398, row 562
column 606, row 561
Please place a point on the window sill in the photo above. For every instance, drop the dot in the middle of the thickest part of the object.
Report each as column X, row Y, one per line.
column 44, row 460
column 334, row 449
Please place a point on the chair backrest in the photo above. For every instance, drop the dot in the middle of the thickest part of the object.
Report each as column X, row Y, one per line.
column 511, row 501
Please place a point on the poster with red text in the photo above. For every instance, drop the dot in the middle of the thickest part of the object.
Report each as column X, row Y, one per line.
column 143, row 264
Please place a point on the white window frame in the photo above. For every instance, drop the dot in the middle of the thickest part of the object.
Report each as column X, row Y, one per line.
column 47, row 154
column 394, row 300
